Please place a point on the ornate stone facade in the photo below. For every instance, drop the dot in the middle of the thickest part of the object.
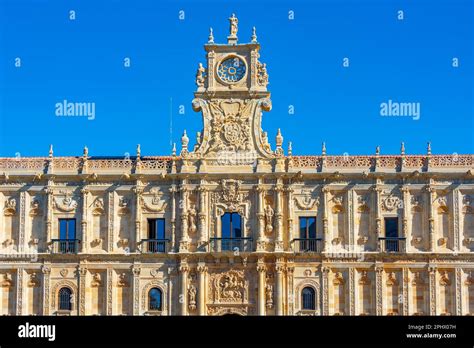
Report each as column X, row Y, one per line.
column 349, row 267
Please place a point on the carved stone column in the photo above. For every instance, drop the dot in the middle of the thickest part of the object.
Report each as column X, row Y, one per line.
column 82, row 274
column 458, row 290
column 202, row 216
column 171, row 283
column 22, row 230
column 46, row 270
column 406, row 216
column 137, row 190
column 109, row 295
column 262, row 273
column 173, row 217
column 19, row 291
column 456, row 217
column 431, row 222
column 378, row 290
column 183, row 298
column 183, row 203
column 433, row 289
column 291, row 294
column 202, row 270
column 378, row 216
column 405, row 289
column 278, row 217
column 326, row 237
column 325, row 280
column 260, row 217
column 49, row 215
column 280, row 269
column 136, row 289
column 352, row 286
column 84, row 241
column 289, row 191
column 111, row 219
column 350, row 221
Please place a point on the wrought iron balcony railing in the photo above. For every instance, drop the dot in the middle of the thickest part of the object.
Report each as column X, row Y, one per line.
column 65, row 246
column 154, row 246
column 307, row 245
column 392, row 244
column 243, row 244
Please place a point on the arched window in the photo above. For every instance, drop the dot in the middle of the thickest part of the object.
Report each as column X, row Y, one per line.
column 154, row 299
column 65, row 299
column 308, row 299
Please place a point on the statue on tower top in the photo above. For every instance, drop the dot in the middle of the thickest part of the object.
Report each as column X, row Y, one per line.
column 232, row 38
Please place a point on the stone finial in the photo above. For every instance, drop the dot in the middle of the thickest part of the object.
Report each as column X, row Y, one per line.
column 290, row 149
column 85, row 152
column 232, row 38
column 377, row 150
column 184, row 142
column 279, row 138
column 254, row 35
column 428, row 149
column 51, row 150
column 210, row 39
column 402, row 148
column 323, row 151
column 198, row 138
column 138, row 152
column 173, row 150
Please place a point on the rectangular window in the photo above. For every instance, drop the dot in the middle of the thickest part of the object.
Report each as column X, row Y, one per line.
column 67, row 229
column 391, row 227
column 308, row 227
column 156, row 228
column 156, row 235
column 67, row 236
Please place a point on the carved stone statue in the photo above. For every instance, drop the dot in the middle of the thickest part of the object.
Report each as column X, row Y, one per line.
column 269, row 295
column 192, row 219
column 262, row 75
column 233, row 25
column 192, row 297
column 268, row 219
column 200, row 75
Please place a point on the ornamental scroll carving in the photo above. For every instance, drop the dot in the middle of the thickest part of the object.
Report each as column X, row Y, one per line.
column 10, row 207
column 392, row 202
column 306, row 202
column 229, row 287
column 231, row 125
column 230, row 195
column 155, row 204
column 67, row 204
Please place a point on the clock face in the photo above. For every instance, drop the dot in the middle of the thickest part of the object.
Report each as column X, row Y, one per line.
column 231, row 70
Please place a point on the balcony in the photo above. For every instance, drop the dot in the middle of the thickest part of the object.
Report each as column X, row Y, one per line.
column 307, row 245
column 154, row 246
column 392, row 244
column 65, row 246
column 231, row 244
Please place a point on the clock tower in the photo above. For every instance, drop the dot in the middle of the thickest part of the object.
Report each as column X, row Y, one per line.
column 231, row 95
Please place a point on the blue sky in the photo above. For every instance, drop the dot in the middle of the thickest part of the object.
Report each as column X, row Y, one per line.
column 81, row 60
